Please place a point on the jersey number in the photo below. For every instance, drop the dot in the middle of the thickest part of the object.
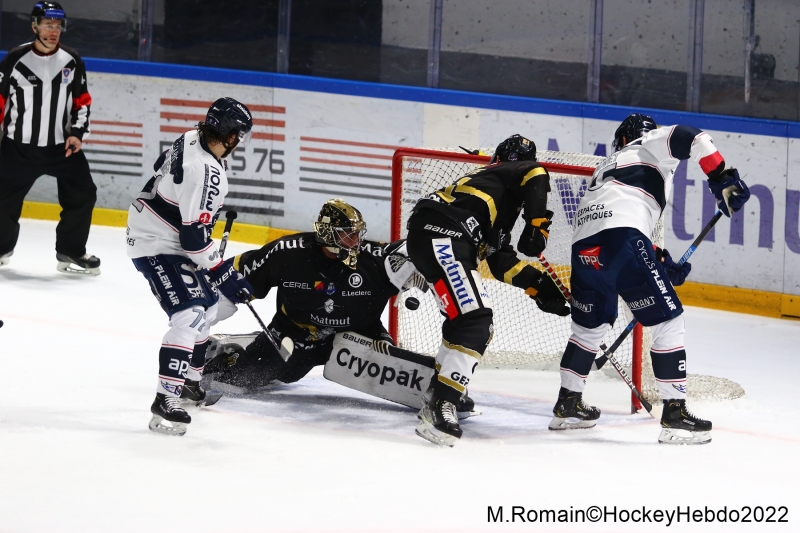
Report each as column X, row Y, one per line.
column 603, row 173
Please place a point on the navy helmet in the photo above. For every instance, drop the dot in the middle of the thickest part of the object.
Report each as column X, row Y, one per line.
column 226, row 116
column 49, row 10
column 515, row 148
column 632, row 128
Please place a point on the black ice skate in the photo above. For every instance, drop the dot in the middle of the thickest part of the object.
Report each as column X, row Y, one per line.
column 571, row 413
column 438, row 422
column 677, row 421
column 465, row 407
column 168, row 408
column 86, row 264
column 6, row 258
column 193, row 392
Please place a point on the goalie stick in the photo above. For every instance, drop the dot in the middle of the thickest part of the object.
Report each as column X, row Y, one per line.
column 286, row 346
column 608, row 352
column 608, row 355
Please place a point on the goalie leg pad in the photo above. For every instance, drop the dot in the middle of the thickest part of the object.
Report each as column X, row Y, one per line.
column 400, row 376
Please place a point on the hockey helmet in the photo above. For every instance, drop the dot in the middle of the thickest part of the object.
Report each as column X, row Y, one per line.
column 515, row 148
column 631, row 129
column 340, row 228
column 226, row 115
column 49, row 10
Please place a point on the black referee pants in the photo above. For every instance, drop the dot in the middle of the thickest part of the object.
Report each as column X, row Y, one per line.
column 20, row 166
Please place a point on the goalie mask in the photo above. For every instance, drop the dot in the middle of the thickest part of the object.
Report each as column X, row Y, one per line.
column 515, row 148
column 340, row 228
column 631, row 129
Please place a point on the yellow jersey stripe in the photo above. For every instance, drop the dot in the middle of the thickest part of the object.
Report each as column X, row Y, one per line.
column 538, row 171
column 513, row 271
column 450, row 383
column 466, row 189
column 465, row 351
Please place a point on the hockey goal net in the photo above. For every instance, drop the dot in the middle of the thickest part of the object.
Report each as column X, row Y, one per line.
column 524, row 337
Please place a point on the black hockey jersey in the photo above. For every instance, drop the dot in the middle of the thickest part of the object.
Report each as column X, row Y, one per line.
column 485, row 205
column 318, row 296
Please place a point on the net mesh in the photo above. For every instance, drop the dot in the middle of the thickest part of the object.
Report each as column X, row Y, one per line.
column 525, row 337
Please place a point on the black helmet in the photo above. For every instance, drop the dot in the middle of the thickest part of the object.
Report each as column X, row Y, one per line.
column 632, row 128
column 515, row 148
column 341, row 228
column 226, row 115
column 49, row 10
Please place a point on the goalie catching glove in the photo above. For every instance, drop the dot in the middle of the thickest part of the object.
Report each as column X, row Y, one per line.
column 729, row 189
column 548, row 296
column 534, row 237
column 676, row 273
column 230, row 282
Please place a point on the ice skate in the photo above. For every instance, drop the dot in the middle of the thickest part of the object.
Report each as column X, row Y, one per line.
column 465, row 407
column 86, row 264
column 6, row 258
column 571, row 413
column 167, row 408
column 682, row 427
column 193, row 392
column 226, row 344
column 438, row 422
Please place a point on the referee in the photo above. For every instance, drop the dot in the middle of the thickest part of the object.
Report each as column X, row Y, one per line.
column 44, row 104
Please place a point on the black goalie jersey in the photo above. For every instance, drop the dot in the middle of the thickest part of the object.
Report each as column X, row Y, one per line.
column 318, row 296
column 483, row 207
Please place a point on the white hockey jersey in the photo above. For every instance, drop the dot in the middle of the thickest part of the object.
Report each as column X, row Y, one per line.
column 177, row 209
column 630, row 188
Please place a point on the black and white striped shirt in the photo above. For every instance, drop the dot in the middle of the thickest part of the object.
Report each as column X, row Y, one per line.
column 43, row 98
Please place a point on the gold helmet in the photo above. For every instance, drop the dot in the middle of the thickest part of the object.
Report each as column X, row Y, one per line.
column 341, row 228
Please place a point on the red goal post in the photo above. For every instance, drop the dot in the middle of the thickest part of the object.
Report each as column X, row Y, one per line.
column 413, row 177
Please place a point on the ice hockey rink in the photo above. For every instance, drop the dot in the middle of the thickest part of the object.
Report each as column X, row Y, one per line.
column 78, row 360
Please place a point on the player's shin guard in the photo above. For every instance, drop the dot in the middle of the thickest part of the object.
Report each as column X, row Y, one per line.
column 669, row 358
column 579, row 355
column 177, row 347
column 458, row 365
column 198, row 360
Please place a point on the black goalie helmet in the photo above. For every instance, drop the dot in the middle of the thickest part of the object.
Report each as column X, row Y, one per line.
column 49, row 10
column 341, row 228
column 515, row 148
column 631, row 129
column 226, row 115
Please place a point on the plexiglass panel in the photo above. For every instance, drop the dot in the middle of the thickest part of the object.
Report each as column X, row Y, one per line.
column 774, row 89
column 516, row 47
column 645, row 53
column 237, row 34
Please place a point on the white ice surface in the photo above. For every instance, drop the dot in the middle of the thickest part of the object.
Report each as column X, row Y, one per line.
column 78, row 365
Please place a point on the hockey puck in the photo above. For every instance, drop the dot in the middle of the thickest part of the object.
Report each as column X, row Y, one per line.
column 1, row 323
column 412, row 303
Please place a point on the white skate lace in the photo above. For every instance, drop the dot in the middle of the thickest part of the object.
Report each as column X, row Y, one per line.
column 449, row 413
column 172, row 403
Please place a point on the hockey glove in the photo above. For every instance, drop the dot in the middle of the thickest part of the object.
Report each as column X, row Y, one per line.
column 730, row 191
column 533, row 240
column 676, row 274
column 230, row 282
column 548, row 297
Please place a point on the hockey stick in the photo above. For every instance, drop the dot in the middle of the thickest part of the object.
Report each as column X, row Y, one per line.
column 230, row 216
column 608, row 355
column 608, row 352
column 286, row 346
